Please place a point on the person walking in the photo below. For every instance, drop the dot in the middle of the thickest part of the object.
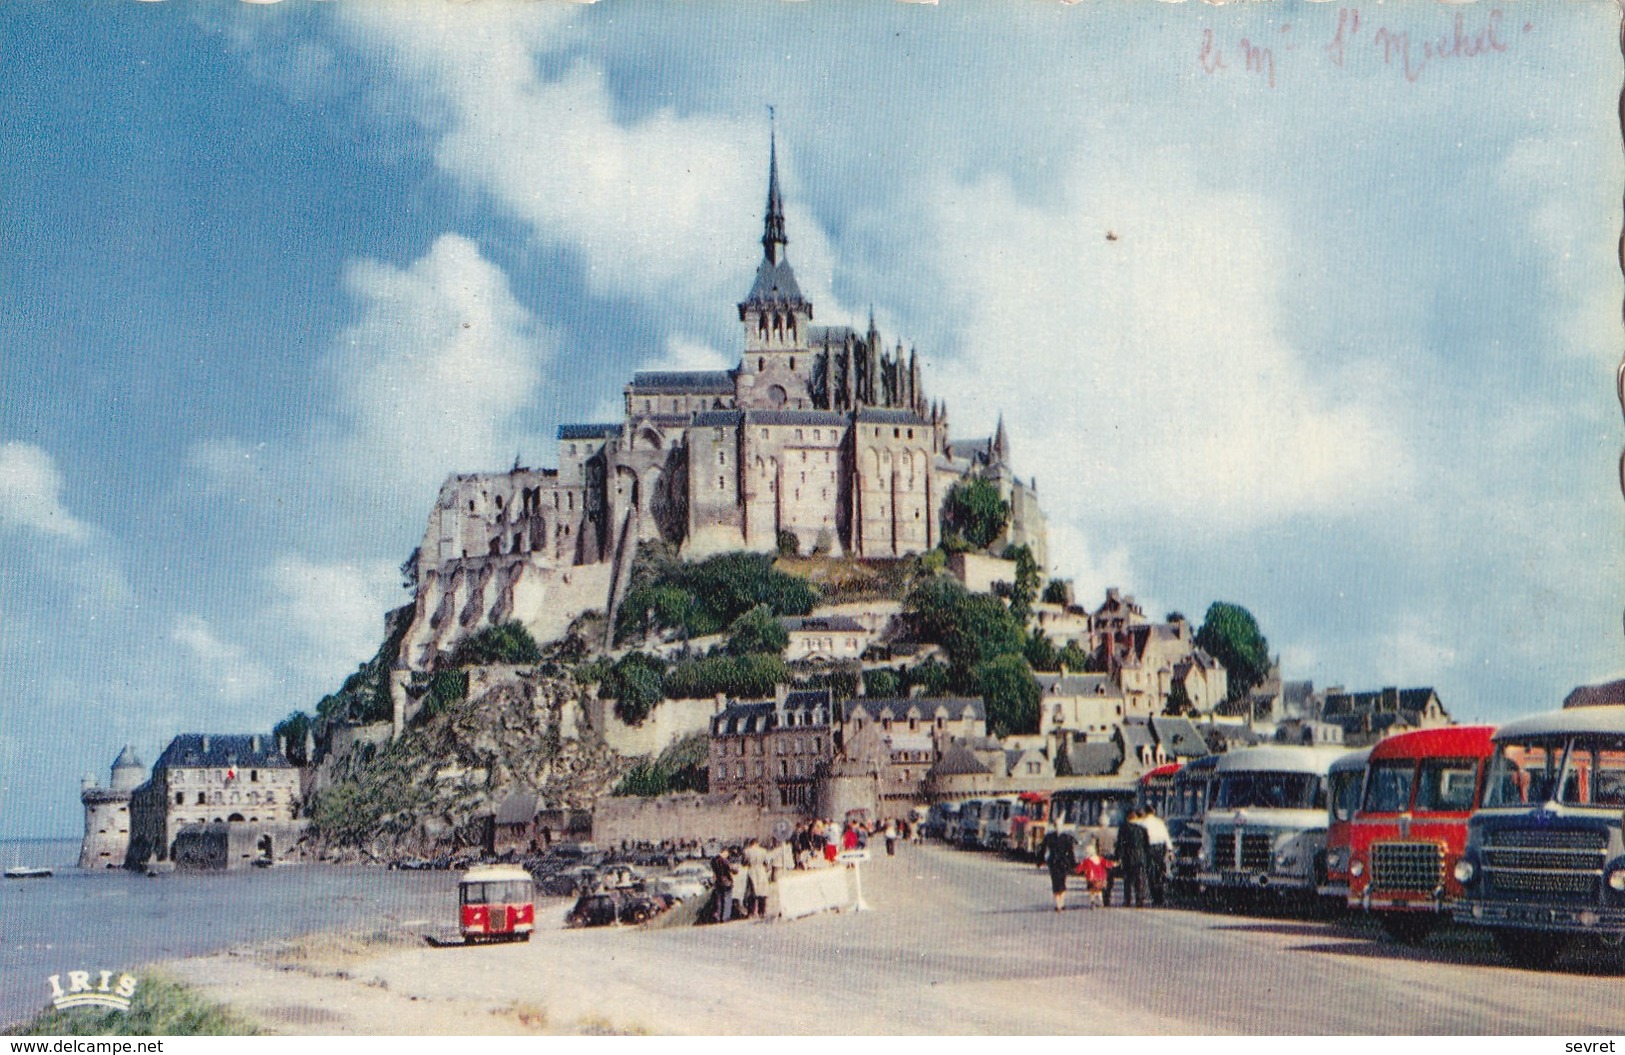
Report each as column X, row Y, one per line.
column 722, row 872
column 1160, row 842
column 1060, row 854
column 756, row 878
column 891, row 838
column 1133, row 859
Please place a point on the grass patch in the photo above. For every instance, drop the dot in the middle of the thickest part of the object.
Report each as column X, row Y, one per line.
column 161, row 1006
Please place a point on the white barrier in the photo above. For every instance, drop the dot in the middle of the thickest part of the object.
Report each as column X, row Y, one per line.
column 805, row 893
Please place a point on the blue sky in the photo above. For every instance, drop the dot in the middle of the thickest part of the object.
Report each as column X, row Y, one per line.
column 269, row 273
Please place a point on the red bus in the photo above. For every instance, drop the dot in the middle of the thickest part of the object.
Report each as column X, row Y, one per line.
column 1157, row 789
column 1029, row 823
column 1344, row 782
column 1411, row 827
column 497, row 903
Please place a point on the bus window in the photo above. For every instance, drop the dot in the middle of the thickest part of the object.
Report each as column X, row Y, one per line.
column 1521, row 774
column 1446, row 785
column 1388, row 787
column 1596, row 775
column 1346, row 793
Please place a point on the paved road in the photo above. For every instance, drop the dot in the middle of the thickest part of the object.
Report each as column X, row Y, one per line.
column 956, row 943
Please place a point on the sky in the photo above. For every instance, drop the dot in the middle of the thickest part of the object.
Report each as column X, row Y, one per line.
column 1307, row 307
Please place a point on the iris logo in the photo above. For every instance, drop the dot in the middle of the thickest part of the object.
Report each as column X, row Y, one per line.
column 87, row 989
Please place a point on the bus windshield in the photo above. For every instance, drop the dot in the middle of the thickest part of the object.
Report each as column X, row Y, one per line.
column 1273, row 791
column 1388, row 788
column 1345, row 793
column 1447, row 785
column 1521, row 774
column 497, row 893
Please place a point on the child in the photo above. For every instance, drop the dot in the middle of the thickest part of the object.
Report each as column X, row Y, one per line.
column 1095, row 871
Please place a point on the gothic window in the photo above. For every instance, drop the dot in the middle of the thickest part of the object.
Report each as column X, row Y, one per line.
column 471, row 505
column 180, row 797
column 722, row 457
column 896, row 434
column 792, row 358
column 721, row 484
column 761, row 360
column 499, row 502
column 202, row 799
column 792, row 337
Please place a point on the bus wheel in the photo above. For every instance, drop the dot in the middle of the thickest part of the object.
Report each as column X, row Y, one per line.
column 1532, row 949
column 1412, row 928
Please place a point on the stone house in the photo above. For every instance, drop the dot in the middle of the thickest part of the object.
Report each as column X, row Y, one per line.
column 1366, row 717
column 216, row 801
column 829, row 638
column 772, row 753
column 107, row 812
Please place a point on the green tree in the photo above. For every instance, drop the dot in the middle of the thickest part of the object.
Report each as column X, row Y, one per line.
column 637, row 684
column 881, row 683
column 1011, row 695
column 1073, row 658
column 1025, row 589
column 1040, row 652
column 1058, row 591
column 1230, row 635
column 974, row 511
column 972, row 627
column 757, row 631
column 291, row 732
column 508, row 643
column 931, row 676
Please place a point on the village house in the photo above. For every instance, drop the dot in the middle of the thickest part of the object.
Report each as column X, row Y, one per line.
column 1366, row 717
column 216, row 801
column 772, row 753
column 824, row 638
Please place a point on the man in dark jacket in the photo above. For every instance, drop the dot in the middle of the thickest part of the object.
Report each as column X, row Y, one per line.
column 1134, row 859
column 722, row 870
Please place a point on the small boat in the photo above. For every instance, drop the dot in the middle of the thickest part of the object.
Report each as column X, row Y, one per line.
column 27, row 872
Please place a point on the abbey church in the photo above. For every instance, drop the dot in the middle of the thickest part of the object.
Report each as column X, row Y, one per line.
column 820, row 435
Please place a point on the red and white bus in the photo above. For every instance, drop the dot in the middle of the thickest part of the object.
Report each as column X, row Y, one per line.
column 1411, row 827
column 1344, row 782
column 496, row 903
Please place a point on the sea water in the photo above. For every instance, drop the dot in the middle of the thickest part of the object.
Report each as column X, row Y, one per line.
column 115, row 920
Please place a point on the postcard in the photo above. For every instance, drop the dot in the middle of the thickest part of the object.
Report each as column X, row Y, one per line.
column 806, row 519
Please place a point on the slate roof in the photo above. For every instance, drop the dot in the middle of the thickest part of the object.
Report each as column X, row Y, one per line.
column 775, row 285
column 889, row 416
column 1137, row 735
column 1607, row 694
column 1078, row 685
column 718, row 419
column 1097, row 758
column 795, row 417
column 707, row 382
column 739, row 718
column 127, row 759
column 587, row 432
column 1179, row 737
column 519, row 807
column 223, row 750
column 1410, row 701
column 821, row 623
column 831, row 334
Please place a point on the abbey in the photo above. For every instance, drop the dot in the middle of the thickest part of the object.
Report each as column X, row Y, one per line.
column 821, row 436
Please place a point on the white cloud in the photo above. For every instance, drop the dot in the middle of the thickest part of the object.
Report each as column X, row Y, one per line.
column 1073, row 556
column 1132, row 332
column 31, row 493
column 225, row 665
column 666, row 204
column 433, row 375
column 334, row 613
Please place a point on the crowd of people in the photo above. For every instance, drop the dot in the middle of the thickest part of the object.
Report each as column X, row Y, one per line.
column 1140, row 858
column 814, row 844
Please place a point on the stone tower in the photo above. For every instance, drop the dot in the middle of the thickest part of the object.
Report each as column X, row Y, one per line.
column 107, row 812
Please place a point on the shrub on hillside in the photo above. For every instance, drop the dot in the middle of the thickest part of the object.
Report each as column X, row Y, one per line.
column 508, row 643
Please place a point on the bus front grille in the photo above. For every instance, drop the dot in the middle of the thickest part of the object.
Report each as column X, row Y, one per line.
column 1255, row 851
column 1407, row 866
column 1561, row 863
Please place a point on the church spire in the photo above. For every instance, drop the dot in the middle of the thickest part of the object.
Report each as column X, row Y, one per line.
column 773, row 238
column 1001, row 445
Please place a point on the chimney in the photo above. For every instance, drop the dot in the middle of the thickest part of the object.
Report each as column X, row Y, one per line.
column 254, row 743
column 205, row 742
column 721, row 702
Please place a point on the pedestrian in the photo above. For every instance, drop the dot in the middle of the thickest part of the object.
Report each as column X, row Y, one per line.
column 1133, row 859
column 850, row 838
column 1060, row 854
column 756, row 878
column 1160, row 843
column 891, row 838
column 722, row 888
column 832, row 841
column 1096, row 872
